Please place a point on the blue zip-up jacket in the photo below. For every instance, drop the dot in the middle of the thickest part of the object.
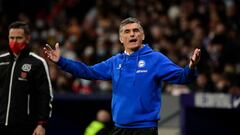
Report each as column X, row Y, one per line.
column 136, row 81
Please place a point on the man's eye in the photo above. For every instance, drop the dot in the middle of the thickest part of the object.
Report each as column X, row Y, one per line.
column 127, row 31
column 136, row 30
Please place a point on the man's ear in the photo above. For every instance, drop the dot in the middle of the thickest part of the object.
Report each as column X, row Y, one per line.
column 120, row 39
column 143, row 37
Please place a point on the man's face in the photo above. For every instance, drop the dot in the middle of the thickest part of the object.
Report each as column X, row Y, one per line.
column 17, row 40
column 18, row 36
column 131, row 36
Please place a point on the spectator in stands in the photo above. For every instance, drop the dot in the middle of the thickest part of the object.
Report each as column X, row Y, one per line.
column 100, row 126
column 203, row 84
column 136, row 75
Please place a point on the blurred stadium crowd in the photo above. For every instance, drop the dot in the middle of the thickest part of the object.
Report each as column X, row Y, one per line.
column 173, row 27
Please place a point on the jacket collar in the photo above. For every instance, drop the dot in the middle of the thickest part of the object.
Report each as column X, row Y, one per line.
column 24, row 53
column 145, row 49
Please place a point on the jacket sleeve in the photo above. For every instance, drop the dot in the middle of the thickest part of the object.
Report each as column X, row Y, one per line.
column 43, row 94
column 172, row 73
column 100, row 71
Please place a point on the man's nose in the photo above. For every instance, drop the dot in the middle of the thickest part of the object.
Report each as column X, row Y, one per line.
column 132, row 34
column 14, row 40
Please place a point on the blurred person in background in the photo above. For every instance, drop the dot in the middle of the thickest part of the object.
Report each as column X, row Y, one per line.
column 136, row 76
column 100, row 126
column 25, row 86
column 203, row 83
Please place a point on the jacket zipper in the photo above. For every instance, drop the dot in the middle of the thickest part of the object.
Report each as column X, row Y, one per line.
column 9, row 93
column 28, row 105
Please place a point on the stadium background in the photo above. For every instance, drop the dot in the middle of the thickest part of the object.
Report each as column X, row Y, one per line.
column 88, row 31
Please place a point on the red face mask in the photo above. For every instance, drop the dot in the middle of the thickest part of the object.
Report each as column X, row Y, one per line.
column 17, row 47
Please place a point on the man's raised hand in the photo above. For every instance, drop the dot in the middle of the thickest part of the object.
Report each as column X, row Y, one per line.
column 195, row 58
column 53, row 55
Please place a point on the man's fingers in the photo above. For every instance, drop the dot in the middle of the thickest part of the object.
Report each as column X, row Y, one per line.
column 197, row 52
column 57, row 46
column 48, row 47
column 52, row 54
column 48, row 53
column 195, row 58
column 196, row 55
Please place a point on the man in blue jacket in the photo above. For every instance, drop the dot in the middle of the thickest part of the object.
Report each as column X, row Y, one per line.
column 136, row 77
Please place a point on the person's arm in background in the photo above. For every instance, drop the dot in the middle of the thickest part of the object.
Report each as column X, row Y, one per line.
column 173, row 73
column 100, row 71
column 43, row 95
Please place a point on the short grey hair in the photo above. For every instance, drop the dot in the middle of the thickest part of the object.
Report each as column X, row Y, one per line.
column 130, row 20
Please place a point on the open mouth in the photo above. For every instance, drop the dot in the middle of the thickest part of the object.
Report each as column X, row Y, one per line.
column 133, row 40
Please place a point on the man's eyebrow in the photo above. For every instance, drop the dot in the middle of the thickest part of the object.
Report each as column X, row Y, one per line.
column 15, row 36
column 132, row 29
column 136, row 29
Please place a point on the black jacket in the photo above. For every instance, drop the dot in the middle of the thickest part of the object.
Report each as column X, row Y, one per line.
column 25, row 89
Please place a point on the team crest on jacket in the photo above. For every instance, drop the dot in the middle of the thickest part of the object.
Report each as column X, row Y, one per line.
column 26, row 67
column 141, row 63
